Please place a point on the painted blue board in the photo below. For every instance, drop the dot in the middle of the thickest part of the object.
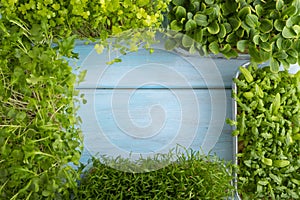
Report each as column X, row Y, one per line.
column 150, row 102
column 172, row 69
column 145, row 121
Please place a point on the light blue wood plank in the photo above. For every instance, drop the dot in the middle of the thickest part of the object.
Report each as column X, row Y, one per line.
column 116, row 122
column 173, row 69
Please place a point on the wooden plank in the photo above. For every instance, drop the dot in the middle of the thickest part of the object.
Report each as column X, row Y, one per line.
column 120, row 121
column 172, row 69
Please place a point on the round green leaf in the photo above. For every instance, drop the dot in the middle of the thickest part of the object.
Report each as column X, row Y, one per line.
column 222, row 32
column 256, row 39
column 209, row 2
column 274, row 65
column 187, row 41
column 266, row 25
column 178, row 2
column 288, row 33
column 286, row 44
column 240, row 33
column 190, row 15
column 279, row 42
column 198, row 35
column 296, row 28
column 180, row 13
column 235, row 23
column 280, row 55
column 226, row 48
column 213, row 28
column 227, row 27
column 292, row 52
column 214, row 47
column 170, row 44
column 231, row 38
column 242, row 45
column 259, row 9
column 266, row 46
column 251, row 20
column 279, row 24
column 244, row 12
column 176, row 26
column 201, row 20
column 264, row 55
column 254, row 53
column 279, row 4
column 289, row 11
column 190, row 25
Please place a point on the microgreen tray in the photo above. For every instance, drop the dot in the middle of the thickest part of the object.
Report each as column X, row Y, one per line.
column 292, row 70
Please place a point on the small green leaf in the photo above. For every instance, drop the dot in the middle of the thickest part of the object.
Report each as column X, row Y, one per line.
column 231, row 38
column 180, row 13
column 235, row 23
column 201, row 19
column 246, row 73
column 259, row 91
column 242, row 45
column 198, row 35
column 255, row 55
column 274, row 65
column 209, row 2
column 280, row 55
column 267, row 161
column 248, row 95
column 252, row 20
column 266, row 46
column 213, row 28
column 222, row 32
column 190, row 15
column 227, row 27
column 190, row 25
column 187, row 41
column 289, row 11
column 81, row 76
column 266, row 25
column 226, row 49
column 292, row 52
column 279, row 4
column 178, row 2
column 256, row 39
column 279, row 24
column 170, row 44
column 214, row 47
column 296, row 28
column 281, row 163
column 240, row 33
column 46, row 193
column 99, row 48
column 176, row 26
column 259, row 9
column 263, row 182
column 244, row 12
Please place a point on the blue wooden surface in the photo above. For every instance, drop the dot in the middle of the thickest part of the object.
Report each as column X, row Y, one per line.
column 150, row 102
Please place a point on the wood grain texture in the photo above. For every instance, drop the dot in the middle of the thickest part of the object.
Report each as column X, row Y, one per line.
column 150, row 102
column 120, row 121
column 169, row 68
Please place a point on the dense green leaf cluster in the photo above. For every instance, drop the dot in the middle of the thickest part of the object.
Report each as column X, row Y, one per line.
column 95, row 18
column 192, row 176
column 268, row 130
column 267, row 30
column 39, row 133
column 39, row 128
